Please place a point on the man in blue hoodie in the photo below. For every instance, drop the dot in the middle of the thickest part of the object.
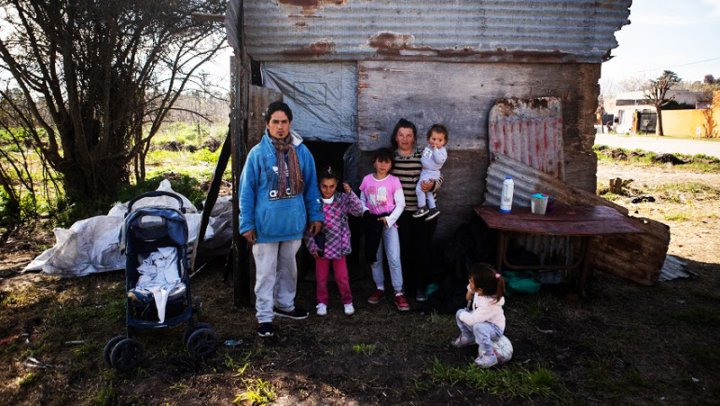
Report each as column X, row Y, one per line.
column 279, row 196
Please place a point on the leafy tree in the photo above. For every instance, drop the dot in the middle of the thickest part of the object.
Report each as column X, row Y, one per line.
column 656, row 94
column 98, row 77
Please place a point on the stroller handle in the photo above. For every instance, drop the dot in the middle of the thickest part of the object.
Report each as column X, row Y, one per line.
column 155, row 193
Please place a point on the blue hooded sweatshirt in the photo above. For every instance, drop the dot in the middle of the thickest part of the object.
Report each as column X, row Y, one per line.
column 273, row 218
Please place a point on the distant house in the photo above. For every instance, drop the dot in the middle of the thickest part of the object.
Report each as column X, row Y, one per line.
column 627, row 108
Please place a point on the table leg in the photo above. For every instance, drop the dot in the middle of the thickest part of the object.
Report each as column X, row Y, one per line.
column 502, row 250
column 584, row 267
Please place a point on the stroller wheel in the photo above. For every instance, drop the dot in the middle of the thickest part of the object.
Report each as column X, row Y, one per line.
column 127, row 354
column 196, row 326
column 202, row 342
column 109, row 347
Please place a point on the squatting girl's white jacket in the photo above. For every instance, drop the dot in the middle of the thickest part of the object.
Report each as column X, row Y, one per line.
column 485, row 308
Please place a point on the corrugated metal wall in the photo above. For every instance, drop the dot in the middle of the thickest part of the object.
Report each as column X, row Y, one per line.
column 463, row 30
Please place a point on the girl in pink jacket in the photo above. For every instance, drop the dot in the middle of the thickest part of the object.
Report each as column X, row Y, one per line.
column 484, row 321
column 332, row 243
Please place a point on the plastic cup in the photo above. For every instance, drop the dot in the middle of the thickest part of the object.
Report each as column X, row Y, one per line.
column 538, row 203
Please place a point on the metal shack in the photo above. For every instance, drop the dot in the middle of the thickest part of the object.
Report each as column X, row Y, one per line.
column 350, row 69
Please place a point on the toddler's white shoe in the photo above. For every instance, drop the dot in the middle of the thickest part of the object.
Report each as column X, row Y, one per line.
column 462, row 341
column 321, row 309
column 349, row 309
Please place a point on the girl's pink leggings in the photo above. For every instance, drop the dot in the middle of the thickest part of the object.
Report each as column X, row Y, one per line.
column 322, row 269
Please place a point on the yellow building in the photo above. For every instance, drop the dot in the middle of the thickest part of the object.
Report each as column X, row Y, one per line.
column 703, row 123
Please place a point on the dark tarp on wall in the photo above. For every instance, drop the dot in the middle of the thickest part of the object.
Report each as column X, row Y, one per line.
column 322, row 96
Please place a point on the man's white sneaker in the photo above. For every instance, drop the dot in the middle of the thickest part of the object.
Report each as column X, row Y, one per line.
column 349, row 309
column 321, row 309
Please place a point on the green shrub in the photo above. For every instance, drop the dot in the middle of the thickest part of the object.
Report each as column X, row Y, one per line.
column 205, row 155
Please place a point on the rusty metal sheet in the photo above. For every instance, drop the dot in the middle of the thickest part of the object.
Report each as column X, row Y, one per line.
column 638, row 257
column 529, row 130
column 552, row 31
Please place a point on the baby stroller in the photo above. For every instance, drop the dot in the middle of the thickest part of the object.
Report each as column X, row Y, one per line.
column 154, row 240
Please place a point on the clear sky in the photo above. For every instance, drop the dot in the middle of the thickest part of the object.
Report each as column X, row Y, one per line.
column 678, row 35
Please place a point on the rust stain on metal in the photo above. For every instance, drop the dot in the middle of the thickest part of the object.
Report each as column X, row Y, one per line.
column 508, row 106
column 310, row 6
column 314, row 49
column 454, row 52
column 391, row 41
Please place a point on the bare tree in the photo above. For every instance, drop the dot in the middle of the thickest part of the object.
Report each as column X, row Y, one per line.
column 632, row 84
column 99, row 77
column 25, row 177
column 656, row 94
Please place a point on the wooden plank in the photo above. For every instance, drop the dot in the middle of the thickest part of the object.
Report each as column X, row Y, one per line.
column 212, row 194
column 259, row 99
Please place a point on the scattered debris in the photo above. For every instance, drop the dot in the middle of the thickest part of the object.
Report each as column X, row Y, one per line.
column 675, row 268
column 642, row 199
column 669, row 158
column 32, row 362
column 232, row 342
column 9, row 339
column 544, row 331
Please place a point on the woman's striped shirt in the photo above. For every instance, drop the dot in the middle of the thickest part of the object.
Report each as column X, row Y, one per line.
column 407, row 168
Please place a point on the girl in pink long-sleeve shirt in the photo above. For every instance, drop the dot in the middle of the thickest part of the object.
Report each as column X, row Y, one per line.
column 332, row 243
column 484, row 322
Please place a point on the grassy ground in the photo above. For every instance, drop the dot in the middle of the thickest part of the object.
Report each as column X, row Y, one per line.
column 625, row 344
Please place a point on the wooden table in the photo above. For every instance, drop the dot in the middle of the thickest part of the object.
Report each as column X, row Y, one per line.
column 581, row 223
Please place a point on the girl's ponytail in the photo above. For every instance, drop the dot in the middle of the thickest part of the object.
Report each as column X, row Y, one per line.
column 500, row 289
column 328, row 173
column 486, row 278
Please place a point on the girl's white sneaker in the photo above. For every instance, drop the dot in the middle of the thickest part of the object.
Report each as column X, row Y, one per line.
column 349, row 309
column 321, row 309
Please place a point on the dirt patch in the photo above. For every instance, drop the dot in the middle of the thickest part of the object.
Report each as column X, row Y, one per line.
column 625, row 344
column 693, row 214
